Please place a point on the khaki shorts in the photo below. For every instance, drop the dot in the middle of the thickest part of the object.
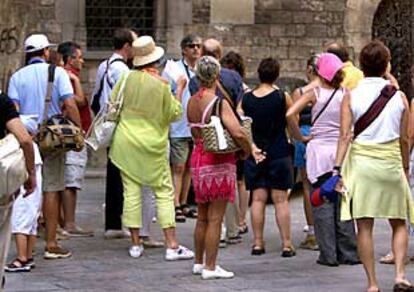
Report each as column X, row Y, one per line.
column 180, row 150
column 54, row 173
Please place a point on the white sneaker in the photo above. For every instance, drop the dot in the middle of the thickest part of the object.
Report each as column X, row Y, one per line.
column 306, row 228
column 198, row 269
column 114, row 234
column 136, row 251
column 180, row 253
column 218, row 273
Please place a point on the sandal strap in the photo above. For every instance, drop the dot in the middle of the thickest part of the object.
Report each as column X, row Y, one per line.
column 22, row 263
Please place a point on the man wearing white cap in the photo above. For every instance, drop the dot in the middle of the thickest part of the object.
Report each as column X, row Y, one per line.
column 28, row 89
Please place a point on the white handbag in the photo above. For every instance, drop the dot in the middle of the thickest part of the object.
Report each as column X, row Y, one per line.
column 13, row 172
column 104, row 124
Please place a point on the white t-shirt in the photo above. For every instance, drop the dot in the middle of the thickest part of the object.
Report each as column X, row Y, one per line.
column 386, row 127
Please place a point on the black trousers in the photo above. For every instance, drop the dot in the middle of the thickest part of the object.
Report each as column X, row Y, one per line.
column 114, row 197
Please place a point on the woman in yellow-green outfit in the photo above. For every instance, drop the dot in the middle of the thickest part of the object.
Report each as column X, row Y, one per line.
column 140, row 143
column 375, row 160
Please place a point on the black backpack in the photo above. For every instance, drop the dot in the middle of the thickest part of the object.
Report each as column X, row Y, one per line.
column 96, row 107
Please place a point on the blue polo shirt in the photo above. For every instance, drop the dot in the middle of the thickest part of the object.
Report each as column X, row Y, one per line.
column 28, row 87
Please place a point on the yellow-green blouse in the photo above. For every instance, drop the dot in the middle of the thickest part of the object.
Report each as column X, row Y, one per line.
column 140, row 142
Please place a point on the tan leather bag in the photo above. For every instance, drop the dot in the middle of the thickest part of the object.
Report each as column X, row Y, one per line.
column 57, row 134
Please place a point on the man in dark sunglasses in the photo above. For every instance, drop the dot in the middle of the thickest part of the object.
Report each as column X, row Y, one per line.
column 181, row 143
column 194, row 46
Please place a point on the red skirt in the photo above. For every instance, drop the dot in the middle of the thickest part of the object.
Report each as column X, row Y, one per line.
column 214, row 175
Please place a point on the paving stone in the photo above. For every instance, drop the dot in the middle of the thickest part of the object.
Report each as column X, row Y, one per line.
column 104, row 265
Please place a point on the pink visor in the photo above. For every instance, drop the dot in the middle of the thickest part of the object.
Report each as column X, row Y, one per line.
column 328, row 65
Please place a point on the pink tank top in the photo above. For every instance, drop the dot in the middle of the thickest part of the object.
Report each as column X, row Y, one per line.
column 321, row 150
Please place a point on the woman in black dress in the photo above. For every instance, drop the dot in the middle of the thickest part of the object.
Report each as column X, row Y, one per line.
column 267, row 106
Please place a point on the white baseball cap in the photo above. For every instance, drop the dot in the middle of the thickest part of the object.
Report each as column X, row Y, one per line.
column 36, row 42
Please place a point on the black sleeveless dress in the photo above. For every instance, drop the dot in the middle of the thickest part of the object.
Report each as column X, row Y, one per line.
column 269, row 134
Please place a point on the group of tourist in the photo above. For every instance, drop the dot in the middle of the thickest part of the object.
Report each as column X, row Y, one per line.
column 350, row 129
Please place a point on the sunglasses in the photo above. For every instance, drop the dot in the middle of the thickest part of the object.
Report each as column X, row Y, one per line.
column 193, row 46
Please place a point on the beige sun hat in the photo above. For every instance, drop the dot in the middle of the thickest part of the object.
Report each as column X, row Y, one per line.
column 145, row 51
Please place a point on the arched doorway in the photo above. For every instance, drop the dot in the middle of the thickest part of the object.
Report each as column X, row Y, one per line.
column 392, row 24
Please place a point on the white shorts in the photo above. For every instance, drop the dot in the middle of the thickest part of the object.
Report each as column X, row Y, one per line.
column 26, row 210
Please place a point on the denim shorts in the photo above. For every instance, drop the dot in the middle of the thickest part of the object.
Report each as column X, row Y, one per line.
column 300, row 149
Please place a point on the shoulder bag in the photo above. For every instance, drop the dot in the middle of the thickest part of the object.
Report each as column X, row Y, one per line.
column 105, row 122
column 216, row 138
column 58, row 133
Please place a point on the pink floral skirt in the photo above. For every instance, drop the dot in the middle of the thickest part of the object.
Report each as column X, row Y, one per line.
column 214, row 175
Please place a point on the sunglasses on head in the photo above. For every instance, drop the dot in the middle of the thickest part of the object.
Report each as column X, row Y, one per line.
column 193, row 46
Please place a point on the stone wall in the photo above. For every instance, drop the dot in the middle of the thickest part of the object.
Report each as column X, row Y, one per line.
column 286, row 29
column 18, row 18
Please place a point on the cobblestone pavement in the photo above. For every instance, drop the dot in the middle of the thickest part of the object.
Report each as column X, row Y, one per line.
column 104, row 265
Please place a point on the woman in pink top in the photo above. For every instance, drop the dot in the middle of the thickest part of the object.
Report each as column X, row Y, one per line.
column 213, row 175
column 336, row 239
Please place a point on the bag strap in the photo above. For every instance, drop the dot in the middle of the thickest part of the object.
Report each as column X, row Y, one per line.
column 120, row 97
column 324, row 107
column 225, row 93
column 48, row 98
column 374, row 110
column 107, row 70
column 205, row 112
column 96, row 98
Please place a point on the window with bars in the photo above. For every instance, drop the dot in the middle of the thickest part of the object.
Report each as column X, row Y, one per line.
column 103, row 17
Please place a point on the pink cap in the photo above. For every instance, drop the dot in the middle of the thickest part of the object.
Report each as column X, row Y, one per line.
column 328, row 65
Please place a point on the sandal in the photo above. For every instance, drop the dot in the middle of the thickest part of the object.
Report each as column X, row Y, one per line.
column 17, row 266
column 288, row 252
column 388, row 259
column 234, row 239
column 30, row 262
column 188, row 212
column 243, row 229
column 401, row 287
column 179, row 216
column 257, row 250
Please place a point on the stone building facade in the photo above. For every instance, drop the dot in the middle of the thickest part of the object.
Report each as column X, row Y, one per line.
column 287, row 29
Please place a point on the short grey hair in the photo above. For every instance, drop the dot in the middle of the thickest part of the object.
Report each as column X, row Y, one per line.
column 207, row 70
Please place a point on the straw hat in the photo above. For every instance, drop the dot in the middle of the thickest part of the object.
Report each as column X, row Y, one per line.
column 145, row 52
